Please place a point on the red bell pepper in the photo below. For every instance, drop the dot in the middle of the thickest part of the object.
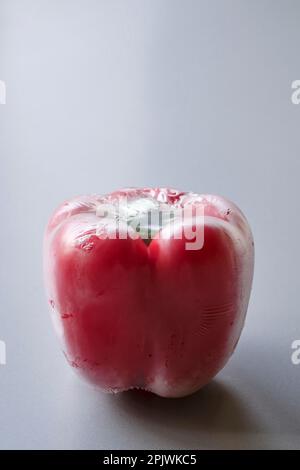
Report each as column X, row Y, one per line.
column 134, row 303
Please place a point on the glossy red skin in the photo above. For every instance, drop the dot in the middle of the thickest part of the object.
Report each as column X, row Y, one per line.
column 156, row 317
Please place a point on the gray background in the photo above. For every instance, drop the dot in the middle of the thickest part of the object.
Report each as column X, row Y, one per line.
column 190, row 94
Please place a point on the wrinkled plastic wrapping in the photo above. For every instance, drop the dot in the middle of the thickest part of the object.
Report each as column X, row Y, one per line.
column 137, row 311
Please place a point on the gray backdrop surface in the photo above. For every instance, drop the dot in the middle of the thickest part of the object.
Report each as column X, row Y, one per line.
column 189, row 94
